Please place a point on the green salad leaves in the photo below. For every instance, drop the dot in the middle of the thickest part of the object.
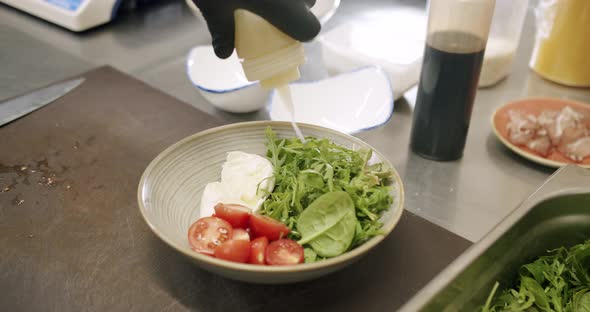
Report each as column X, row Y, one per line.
column 328, row 224
column 559, row 281
column 350, row 194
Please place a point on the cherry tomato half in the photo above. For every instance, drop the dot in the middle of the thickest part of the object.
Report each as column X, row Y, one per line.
column 257, row 250
column 284, row 252
column 241, row 234
column 206, row 234
column 267, row 226
column 234, row 250
column 237, row 215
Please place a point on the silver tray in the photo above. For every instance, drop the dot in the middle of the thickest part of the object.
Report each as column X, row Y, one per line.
column 557, row 214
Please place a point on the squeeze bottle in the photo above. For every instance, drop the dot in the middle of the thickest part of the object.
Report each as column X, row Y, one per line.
column 266, row 53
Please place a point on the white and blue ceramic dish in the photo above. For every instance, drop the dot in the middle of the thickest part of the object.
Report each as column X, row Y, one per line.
column 325, row 9
column 361, row 43
column 223, row 82
column 350, row 102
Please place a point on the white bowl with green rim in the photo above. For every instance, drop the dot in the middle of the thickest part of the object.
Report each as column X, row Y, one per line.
column 170, row 190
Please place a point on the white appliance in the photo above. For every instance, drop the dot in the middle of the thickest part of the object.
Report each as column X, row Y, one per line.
column 76, row 15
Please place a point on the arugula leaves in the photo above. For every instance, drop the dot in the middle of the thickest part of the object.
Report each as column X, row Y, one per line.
column 558, row 281
column 305, row 171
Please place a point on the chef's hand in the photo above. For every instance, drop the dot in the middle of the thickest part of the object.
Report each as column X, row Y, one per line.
column 293, row 17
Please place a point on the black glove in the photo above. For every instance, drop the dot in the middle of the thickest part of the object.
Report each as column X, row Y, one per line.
column 293, row 17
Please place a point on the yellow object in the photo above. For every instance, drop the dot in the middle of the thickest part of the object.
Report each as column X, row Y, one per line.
column 562, row 47
column 267, row 54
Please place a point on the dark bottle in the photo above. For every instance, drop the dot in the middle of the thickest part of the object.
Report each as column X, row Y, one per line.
column 457, row 35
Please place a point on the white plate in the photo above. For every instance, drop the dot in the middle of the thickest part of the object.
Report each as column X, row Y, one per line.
column 349, row 103
column 392, row 40
column 223, row 82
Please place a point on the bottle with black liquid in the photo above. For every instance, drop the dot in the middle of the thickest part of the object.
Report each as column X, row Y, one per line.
column 455, row 43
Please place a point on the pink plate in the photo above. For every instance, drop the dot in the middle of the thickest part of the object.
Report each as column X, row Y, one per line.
column 535, row 106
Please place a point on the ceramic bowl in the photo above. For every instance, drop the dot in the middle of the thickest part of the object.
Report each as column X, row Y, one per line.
column 349, row 103
column 325, row 9
column 223, row 82
column 170, row 189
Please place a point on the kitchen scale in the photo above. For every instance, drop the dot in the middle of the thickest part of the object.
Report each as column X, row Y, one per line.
column 76, row 15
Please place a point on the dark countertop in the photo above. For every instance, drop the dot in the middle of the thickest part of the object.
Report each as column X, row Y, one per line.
column 72, row 236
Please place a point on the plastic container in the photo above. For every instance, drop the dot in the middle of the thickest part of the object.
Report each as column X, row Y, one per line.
column 562, row 46
column 269, row 56
column 456, row 39
column 266, row 53
column 509, row 16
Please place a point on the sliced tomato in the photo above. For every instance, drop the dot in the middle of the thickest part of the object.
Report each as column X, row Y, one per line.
column 284, row 252
column 237, row 215
column 241, row 234
column 257, row 250
column 234, row 250
column 267, row 226
column 207, row 233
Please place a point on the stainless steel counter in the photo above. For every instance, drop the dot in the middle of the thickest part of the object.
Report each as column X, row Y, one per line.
column 468, row 196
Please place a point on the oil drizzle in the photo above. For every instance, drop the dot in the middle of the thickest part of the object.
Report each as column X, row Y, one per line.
column 287, row 99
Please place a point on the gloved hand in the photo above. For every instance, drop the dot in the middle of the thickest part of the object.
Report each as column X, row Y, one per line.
column 292, row 17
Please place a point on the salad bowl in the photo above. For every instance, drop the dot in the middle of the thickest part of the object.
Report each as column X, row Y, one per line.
column 171, row 187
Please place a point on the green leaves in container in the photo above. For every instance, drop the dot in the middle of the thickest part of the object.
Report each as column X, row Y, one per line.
column 531, row 287
column 558, row 281
column 328, row 224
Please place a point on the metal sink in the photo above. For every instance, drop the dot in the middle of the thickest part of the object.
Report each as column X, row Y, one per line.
column 557, row 214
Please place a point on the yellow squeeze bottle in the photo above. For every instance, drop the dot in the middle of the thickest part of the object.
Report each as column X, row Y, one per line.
column 562, row 47
column 268, row 55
